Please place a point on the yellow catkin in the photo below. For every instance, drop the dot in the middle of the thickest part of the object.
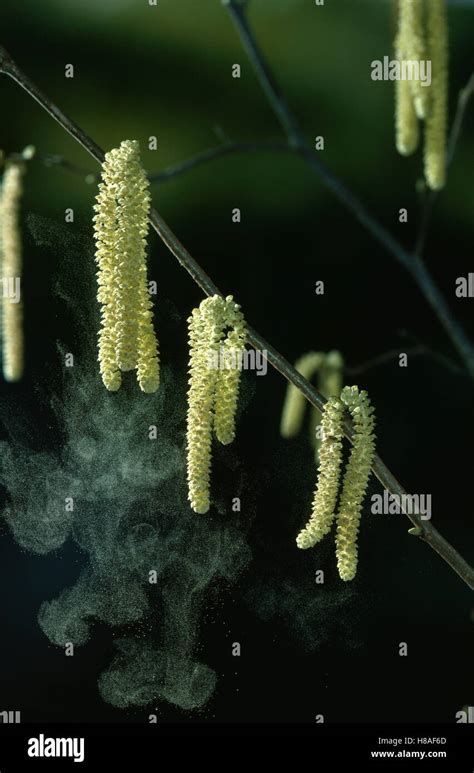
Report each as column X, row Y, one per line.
column 230, row 369
column 217, row 334
column 12, row 311
column 206, row 326
column 414, row 50
column 148, row 366
column 355, row 480
column 407, row 129
column 105, row 229
column 127, row 338
column 406, row 120
column 330, row 457
column 295, row 402
column 436, row 123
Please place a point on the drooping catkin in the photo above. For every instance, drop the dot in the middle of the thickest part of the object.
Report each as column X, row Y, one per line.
column 127, row 338
column 295, row 402
column 12, row 310
column 355, row 480
column 217, row 334
column 330, row 458
column 148, row 369
column 229, row 374
column 436, row 122
column 105, row 228
column 203, row 339
column 415, row 50
column 406, row 120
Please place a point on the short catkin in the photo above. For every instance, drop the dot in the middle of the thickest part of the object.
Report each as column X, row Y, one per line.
column 295, row 402
column 406, row 122
column 127, row 339
column 11, row 249
column 406, row 119
column 229, row 373
column 217, row 334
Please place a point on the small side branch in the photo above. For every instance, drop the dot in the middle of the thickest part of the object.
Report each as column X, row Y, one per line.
column 226, row 149
column 430, row 197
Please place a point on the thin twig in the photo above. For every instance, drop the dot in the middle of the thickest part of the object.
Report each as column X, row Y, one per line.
column 412, row 263
column 424, row 529
column 226, row 149
column 54, row 160
column 463, row 100
column 430, row 197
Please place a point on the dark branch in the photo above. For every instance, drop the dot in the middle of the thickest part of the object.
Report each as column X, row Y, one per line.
column 430, row 196
column 54, row 160
column 226, row 149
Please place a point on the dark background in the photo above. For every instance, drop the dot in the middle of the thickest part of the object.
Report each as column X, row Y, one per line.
column 166, row 71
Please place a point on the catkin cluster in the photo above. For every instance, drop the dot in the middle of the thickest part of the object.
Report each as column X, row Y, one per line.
column 423, row 36
column 127, row 339
column 11, row 257
column 217, row 334
column 355, row 478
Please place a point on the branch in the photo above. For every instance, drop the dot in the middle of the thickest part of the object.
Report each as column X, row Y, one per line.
column 226, row 149
column 430, row 197
column 423, row 529
column 53, row 160
column 412, row 263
